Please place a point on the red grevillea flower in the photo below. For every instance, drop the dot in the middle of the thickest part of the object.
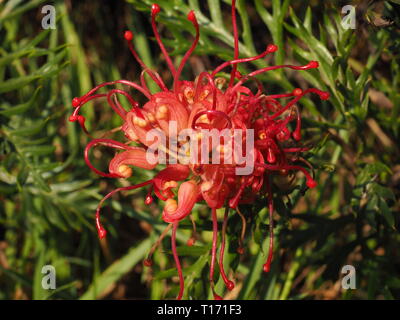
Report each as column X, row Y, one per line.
column 208, row 102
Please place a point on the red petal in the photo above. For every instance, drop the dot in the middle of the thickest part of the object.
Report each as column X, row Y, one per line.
column 135, row 157
column 175, row 172
column 187, row 196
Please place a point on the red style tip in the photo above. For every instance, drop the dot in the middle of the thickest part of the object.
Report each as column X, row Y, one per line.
column 267, row 267
column 313, row 64
column 240, row 250
column 217, row 297
column 148, row 262
column 128, row 35
column 324, row 95
column 230, row 285
column 311, row 183
column 191, row 16
column 80, row 119
column 191, row 242
column 297, row 92
column 148, row 200
column 297, row 135
column 101, row 233
column 272, row 48
column 155, row 9
column 76, row 102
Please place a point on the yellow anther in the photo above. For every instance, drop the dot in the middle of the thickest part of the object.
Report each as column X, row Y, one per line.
column 131, row 135
column 170, row 184
column 162, row 112
column 171, row 205
column 204, row 94
column 189, row 94
column 125, row 171
column 262, row 135
column 204, row 119
column 163, row 108
column 173, row 184
column 140, row 122
column 205, row 186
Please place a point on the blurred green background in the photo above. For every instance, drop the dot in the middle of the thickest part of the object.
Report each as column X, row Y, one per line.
column 48, row 195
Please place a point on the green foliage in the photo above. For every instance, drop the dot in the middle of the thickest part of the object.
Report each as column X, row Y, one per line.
column 48, row 195
column 40, row 202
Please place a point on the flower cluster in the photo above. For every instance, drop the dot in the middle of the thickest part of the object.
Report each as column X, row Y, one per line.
column 208, row 102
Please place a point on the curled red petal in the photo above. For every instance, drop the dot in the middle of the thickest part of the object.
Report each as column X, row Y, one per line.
column 187, row 197
column 174, row 172
column 135, row 157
